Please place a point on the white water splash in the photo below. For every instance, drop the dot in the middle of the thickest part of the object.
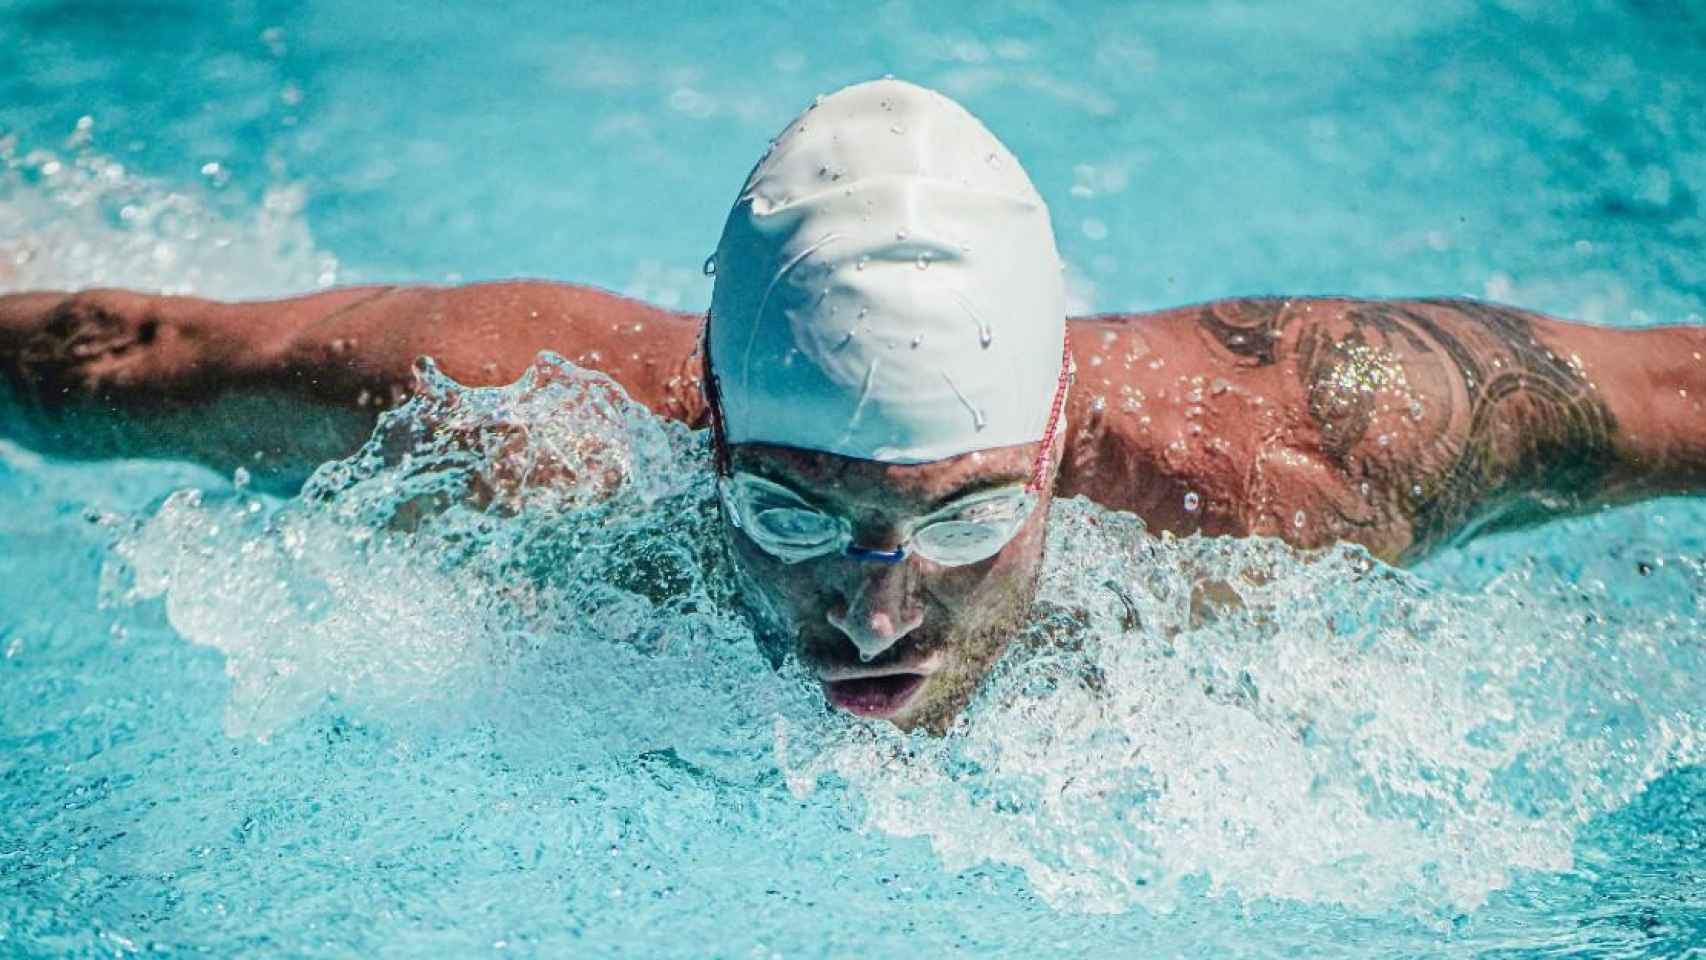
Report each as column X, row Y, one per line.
column 78, row 218
column 1192, row 715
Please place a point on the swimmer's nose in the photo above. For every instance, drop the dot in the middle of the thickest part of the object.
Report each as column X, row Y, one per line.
column 881, row 611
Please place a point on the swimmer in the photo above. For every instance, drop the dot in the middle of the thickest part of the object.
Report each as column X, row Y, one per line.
column 896, row 396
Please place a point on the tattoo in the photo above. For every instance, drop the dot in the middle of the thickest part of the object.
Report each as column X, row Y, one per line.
column 1520, row 394
column 1512, row 430
column 1248, row 329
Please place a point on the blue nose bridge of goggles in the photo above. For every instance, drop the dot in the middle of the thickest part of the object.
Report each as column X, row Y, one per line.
column 868, row 555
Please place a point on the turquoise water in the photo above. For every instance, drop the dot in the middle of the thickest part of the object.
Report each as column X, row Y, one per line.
column 241, row 725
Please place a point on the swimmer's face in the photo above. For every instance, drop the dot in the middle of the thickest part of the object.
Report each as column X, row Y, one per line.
column 906, row 641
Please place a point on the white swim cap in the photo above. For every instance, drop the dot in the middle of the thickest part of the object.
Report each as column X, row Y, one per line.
column 887, row 286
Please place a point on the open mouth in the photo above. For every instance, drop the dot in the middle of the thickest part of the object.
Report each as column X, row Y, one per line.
column 874, row 697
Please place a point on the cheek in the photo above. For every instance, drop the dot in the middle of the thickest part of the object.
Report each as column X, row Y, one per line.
column 791, row 586
column 974, row 589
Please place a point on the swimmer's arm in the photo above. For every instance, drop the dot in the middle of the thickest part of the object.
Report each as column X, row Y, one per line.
column 1419, row 423
column 281, row 386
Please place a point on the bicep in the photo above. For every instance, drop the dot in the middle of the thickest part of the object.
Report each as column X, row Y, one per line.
column 1451, row 415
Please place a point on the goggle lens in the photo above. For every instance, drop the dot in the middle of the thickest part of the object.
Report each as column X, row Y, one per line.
column 783, row 525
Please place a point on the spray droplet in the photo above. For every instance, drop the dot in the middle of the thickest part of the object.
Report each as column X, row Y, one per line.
column 1416, row 490
column 1298, row 519
column 896, row 128
column 900, row 234
column 993, row 160
column 1192, row 502
column 984, row 336
column 710, row 267
column 860, row 265
column 1099, row 404
column 917, row 339
column 923, row 262
column 1383, row 439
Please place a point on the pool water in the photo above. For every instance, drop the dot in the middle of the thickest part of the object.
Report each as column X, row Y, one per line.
column 235, row 724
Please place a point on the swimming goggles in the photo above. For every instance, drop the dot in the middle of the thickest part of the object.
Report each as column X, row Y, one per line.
column 783, row 524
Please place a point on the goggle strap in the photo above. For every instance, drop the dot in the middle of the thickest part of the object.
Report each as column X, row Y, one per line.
column 1040, row 469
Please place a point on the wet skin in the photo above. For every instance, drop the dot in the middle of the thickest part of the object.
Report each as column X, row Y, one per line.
column 1398, row 425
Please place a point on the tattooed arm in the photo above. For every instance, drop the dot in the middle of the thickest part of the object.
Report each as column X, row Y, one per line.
column 1400, row 425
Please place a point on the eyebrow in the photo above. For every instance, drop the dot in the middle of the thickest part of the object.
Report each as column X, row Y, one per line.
column 977, row 486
